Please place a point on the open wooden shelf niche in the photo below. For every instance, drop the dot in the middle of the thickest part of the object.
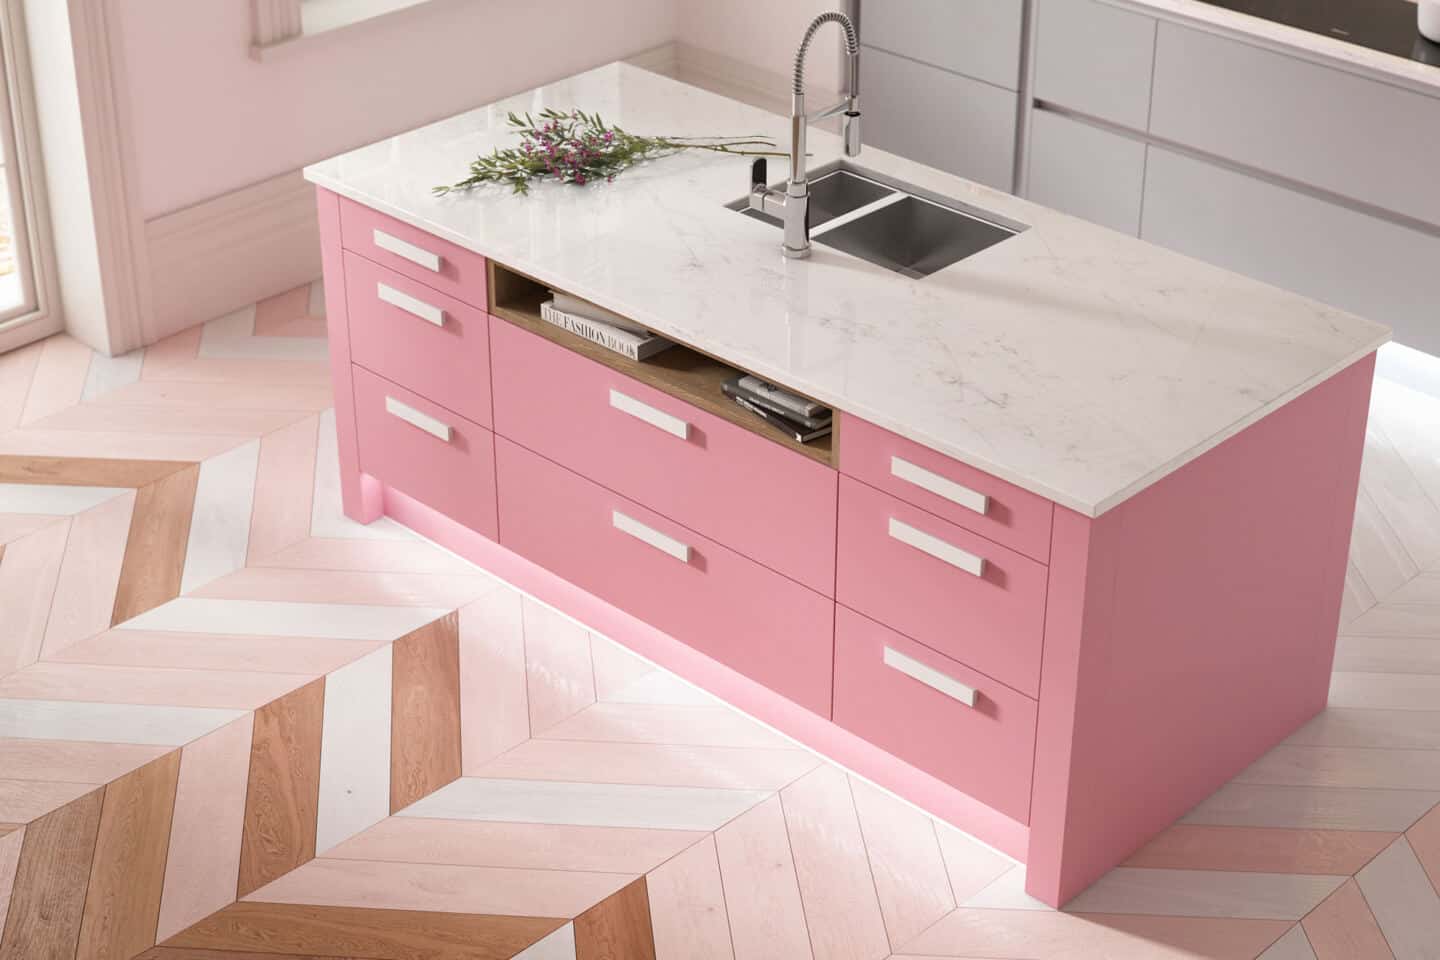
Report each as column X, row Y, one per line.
column 682, row 371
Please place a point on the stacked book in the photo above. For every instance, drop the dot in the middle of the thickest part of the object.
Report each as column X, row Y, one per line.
column 801, row 419
column 605, row 327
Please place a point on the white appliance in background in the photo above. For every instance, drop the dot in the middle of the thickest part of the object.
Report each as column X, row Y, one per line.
column 1430, row 19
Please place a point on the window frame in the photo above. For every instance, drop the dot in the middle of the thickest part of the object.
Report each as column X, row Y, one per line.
column 34, row 244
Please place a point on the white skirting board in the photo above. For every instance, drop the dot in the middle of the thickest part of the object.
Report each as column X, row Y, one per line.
column 229, row 252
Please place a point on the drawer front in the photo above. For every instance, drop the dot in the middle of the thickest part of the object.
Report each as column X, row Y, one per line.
column 958, row 493
column 979, row 38
column 1350, row 135
column 755, row 621
column 970, row 126
column 936, row 714
column 1086, row 171
column 953, row 591
column 426, row 451
column 419, row 338
column 1360, row 263
column 437, row 263
column 761, row 500
column 1096, row 59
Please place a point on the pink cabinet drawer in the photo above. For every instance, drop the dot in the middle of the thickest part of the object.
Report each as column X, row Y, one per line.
column 955, row 592
column 947, row 488
column 755, row 621
column 437, row 263
column 426, row 451
column 935, row 714
column 768, row 503
column 419, row 338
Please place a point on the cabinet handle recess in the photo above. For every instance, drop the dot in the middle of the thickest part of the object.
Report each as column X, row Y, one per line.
column 403, row 248
column 656, row 418
column 416, row 308
column 929, row 676
column 937, row 548
column 403, row 411
column 651, row 536
column 940, row 486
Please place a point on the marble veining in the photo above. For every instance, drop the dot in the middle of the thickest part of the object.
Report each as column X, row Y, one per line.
column 1076, row 362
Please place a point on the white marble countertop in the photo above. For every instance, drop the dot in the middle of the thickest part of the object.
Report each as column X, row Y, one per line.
column 1406, row 72
column 1076, row 362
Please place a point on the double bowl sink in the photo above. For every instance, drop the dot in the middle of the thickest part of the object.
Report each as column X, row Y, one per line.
column 889, row 224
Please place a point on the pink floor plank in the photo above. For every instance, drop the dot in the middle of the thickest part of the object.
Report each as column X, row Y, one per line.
column 645, row 763
column 89, row 574
column 494, row 699
column 443, row 888
column 310, row 656
column 762, row 895
column 203, row 862
column 24, row 800
column 73, row 761
column 535, row 846
column 970, row 865
column 687, row 907
column 117, row 446
column 214, row 421
column 1261, row 849
column 1343, row 928
column 284, row 488
column 314, row 327
column 561, row 679
column 905, row 860
column 164, row 356
column 256, row 373
column 274, row 313
column 662, row 723
column 836, row 884
column 1424, row 839
column 28, row 573
column 235, row 690
column 14, row 526
column 59, row 377
column 615, row 667
column 17, row 372
column 218, row 396
column 376, row 556
column 1047, row 935
column 345, row 586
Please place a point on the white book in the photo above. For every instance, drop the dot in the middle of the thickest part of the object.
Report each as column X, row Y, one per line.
column 635, row 346
column 566, row 303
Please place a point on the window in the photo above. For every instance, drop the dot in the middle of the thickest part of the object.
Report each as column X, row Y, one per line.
column 24, row 251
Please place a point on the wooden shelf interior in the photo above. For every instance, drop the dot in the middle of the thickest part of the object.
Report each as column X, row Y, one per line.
column 681, row 371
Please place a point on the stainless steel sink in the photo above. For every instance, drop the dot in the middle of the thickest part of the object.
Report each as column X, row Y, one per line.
column 832, row 195
column 901, row 228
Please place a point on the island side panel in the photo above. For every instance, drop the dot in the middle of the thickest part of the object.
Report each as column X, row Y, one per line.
column 360, row 495
column 1189, row 630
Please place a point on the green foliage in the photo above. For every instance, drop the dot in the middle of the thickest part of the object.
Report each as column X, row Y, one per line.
column 579, row 148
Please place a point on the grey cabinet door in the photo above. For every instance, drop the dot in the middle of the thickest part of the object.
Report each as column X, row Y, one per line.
column 1086, row 171
column 1363, row 264
column 979, row 38
column 941, row 119
column 1095, row 59
column 1347, row 134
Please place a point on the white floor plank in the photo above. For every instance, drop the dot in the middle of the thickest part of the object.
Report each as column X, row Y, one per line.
column 559, row 945
column 220, row 523
column 275, row 618
column 327, row 517
column 1205, row 893
column 1293, row 946
column 355, row 749
column 586, row 804
column 1326, row 808
column 1403, row 901
column 1388, row 655
column 1384, row 729
column 109, row 722
column 1385, row 691
column 110, row 373
column 54, row 500
column 1304, row 766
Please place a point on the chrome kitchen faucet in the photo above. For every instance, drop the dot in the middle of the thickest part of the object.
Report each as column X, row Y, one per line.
column 793, row 206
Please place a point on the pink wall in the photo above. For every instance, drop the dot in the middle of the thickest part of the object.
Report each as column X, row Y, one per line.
column 208, row 119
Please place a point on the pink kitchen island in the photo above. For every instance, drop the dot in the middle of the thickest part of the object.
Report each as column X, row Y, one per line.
column 1072, row 559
